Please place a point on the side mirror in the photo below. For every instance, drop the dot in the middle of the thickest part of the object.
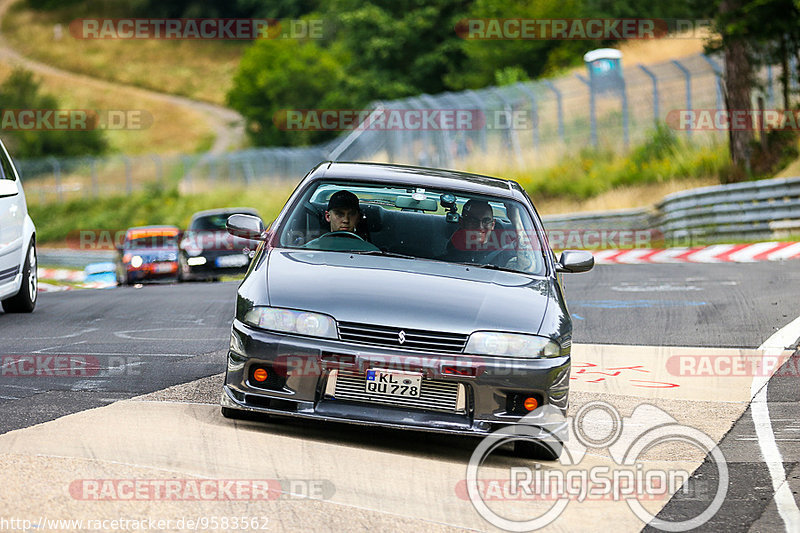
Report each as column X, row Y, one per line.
column 246, row 226
column 8, row 188
column 573, row 261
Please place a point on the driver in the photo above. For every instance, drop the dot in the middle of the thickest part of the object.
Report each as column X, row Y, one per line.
column 343, row 211
column 343, row 214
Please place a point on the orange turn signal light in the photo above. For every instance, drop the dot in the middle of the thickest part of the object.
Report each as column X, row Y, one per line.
column 530, row 404
column 260, row 374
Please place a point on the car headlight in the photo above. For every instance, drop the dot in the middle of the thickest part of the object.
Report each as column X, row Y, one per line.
column 511, row 345
column 290, row 321
column 136, row 261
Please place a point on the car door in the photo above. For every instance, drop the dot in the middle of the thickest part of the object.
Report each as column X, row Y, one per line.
column 12, row 218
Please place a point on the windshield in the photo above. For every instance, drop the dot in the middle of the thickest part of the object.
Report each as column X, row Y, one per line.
column 431, row 224
column 211, row 222
column 153, row 241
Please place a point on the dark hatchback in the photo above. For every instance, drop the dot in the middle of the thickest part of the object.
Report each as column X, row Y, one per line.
column 415, row 319
column 208, row 251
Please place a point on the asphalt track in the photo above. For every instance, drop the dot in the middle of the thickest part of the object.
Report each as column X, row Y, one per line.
column 168, row 342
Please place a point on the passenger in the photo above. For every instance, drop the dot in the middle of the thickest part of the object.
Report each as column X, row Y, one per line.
column 475, row 240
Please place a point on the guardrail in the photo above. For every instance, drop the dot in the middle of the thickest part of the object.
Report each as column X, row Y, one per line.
column 757, row 209
column 764, row 209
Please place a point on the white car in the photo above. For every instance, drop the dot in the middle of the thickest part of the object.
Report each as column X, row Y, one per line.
column 18, row 277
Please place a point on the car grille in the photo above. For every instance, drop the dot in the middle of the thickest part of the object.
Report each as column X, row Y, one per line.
column 433, row 395
column 415, row 339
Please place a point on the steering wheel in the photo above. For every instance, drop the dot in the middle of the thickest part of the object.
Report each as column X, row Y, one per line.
column 348, row 234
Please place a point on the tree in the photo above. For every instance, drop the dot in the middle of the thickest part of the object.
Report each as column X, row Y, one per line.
column 276, row 75
column 21, row 91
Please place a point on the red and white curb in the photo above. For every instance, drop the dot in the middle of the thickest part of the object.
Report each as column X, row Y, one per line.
column 717, row 253
column 63, row 274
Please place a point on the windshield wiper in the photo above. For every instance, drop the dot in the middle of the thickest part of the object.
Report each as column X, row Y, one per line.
column 489, row 266
column 387, row 254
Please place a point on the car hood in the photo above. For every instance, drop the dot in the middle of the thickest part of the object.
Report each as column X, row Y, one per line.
column 413, row 294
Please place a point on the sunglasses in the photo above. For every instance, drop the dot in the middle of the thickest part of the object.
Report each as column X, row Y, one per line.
column 485, row 221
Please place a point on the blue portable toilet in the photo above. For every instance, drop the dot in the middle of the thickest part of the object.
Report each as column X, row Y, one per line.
column 605, row 69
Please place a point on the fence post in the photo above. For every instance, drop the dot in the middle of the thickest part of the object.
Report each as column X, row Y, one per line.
column 128, row 176
column 186, row 170
column 688, row 76
column 478, row 102
column 559, row 103
column 654, row 79
column 95, row 185
column 510, row 132
column 57, row 175
column 592, row 116
column 534, row 112
column 159, row 168
column 717, row 78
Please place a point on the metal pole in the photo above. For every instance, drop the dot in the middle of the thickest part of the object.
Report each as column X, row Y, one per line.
column 688, row 76
column 592, row 115
column 654, row 79
column 128, row 175
column 95, row 186
column 559, row 103
column 534, row 112
column 718, row 75
column 57, row 174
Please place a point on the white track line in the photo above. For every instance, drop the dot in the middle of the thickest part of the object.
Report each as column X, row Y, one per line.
column 784, row 500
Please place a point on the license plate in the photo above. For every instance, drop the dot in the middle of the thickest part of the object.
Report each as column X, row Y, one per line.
column 397, row 384
column 163, row 267
column 232, row 260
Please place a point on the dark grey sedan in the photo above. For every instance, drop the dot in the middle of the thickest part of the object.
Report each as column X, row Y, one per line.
column 403, row 297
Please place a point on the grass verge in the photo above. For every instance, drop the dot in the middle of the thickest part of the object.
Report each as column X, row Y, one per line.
column 199, row 69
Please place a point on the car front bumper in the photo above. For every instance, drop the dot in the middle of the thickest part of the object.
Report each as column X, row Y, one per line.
column 301, row 371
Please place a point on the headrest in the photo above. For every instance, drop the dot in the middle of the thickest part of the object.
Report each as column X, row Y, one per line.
column 374, row 216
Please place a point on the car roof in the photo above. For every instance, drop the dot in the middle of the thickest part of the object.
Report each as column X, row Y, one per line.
column 429, row 177
column 224, row 210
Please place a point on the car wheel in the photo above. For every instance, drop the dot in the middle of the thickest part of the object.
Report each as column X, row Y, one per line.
column 182, row 267
column 238, row 414
column 538, row 450
column 25, row 300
